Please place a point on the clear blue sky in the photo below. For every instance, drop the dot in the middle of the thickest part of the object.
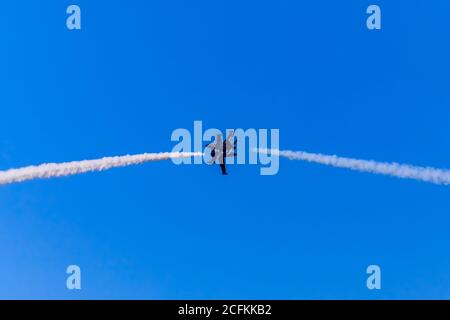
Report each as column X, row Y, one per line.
column 140, row 69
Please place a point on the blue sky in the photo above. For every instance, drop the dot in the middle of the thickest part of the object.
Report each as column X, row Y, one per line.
column 140, row 69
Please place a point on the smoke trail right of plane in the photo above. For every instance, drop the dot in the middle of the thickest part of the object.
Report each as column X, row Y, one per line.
column 405, row 171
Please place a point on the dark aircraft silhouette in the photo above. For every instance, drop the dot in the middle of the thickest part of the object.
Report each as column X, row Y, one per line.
column 220, row 151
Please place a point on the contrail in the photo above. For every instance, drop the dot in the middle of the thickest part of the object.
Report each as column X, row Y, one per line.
column 405, row 171
column 53, row 170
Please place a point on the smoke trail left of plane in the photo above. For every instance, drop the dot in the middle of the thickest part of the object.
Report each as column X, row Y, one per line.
column 54, row 170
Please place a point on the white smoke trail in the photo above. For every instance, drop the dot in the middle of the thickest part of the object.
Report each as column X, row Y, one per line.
column 52, row 170
column 427, row 174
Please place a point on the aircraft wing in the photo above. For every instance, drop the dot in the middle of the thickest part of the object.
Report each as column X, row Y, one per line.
column 230, row 135
column 213, row 145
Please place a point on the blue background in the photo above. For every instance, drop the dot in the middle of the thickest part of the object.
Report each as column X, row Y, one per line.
column 140, row 69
